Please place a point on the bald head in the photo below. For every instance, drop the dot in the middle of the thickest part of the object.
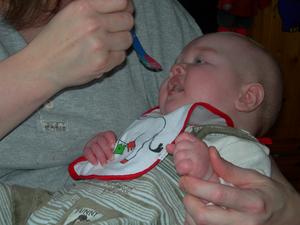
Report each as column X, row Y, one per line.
column 254, row 65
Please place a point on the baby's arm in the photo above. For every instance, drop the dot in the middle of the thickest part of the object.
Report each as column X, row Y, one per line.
column 100, row 148
column 191, row 157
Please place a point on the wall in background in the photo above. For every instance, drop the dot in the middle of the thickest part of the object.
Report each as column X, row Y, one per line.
column 285, row 47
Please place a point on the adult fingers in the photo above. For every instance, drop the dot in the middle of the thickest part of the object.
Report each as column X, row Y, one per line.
column 115, row 22
column 119, row 41
column 189, row 220
column 202, row 213
column 219, row 194
column 233, row 174
column 107, row 61
column 104, row 6
column 113, row 59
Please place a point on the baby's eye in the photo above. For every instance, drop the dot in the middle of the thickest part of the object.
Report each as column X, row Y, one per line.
column 199, row 61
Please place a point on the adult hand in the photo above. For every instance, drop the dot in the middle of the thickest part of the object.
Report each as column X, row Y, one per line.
column 84, row 40
column 254, row 199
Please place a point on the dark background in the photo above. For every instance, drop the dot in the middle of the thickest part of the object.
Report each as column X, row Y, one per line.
column 204, row 12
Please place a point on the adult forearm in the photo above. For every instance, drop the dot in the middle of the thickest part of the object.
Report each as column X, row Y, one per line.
column 22, row 90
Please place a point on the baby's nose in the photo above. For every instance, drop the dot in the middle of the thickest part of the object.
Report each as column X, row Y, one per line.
column 178, row 69
column 177, row 75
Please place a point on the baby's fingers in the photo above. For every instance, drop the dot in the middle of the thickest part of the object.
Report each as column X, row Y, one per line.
column 170, row 148
column 99, row 153
column 184, row 167
column 88, row 154
column 111, row 138
column 105, row 146
column 185, row 137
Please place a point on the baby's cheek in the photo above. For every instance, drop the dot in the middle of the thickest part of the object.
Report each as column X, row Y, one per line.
column 162, row 98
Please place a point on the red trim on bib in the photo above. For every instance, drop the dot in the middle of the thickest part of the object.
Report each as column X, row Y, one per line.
column 135, row 174
column 75, row 176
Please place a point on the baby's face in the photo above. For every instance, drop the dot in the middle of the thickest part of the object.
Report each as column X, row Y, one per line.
column 203, row 72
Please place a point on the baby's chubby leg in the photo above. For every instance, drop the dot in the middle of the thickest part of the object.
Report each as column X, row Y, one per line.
column 191, row 157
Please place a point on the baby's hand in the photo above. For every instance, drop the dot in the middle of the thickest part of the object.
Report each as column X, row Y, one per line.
column 190, row 156
column 100, row 148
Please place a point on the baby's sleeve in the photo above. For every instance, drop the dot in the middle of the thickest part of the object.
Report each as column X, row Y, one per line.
column 242, row 152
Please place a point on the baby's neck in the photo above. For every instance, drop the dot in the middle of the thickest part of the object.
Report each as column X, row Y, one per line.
column 250, row 127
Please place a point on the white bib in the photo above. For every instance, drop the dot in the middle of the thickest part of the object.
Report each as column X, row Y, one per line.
column 143, row 144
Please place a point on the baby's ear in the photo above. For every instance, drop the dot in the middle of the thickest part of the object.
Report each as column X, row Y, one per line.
column 250, row 98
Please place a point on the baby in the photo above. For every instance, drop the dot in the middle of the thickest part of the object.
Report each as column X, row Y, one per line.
column 227, row 77
column 225, row 70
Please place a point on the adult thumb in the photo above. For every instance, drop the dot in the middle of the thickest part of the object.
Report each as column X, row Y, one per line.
column 230, row 173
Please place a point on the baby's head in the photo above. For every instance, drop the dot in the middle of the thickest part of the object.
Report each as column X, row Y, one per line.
column 230, row 72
